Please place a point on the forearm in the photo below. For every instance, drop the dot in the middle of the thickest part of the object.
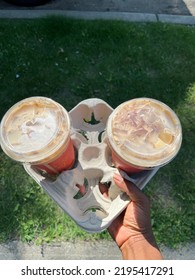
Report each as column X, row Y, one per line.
column 141, row 249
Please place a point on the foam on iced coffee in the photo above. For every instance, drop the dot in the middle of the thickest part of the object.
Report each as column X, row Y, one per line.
column 145, row 132
column 35, row 130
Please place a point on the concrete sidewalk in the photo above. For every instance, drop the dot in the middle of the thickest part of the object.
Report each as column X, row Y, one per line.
column 83, row 250
column 170, row 11
column 171, row 7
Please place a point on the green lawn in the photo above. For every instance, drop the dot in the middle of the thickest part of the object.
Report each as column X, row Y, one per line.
column 71, row 60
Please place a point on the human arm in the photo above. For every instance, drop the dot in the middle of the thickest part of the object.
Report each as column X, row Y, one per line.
column 132, row 230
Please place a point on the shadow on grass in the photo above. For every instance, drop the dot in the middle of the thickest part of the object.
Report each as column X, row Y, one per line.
column 73, row 60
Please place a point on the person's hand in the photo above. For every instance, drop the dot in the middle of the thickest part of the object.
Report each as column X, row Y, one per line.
column 133, row 225
column 135, row 220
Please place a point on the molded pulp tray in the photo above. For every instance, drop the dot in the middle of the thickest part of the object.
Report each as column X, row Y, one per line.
column 77, row 190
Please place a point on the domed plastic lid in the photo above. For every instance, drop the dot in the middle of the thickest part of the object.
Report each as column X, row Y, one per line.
column 144, row 132
column 34, row 129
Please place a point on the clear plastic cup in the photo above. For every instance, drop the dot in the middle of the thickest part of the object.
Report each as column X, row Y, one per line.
column 36, row 130
column 143, row 134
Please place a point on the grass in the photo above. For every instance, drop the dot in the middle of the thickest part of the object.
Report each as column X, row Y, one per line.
column 71, row 60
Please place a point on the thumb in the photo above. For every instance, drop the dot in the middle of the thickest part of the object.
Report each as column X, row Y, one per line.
column 129, row 188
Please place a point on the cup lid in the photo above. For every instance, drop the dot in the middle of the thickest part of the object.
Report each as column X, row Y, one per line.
column 34, row 129
column 144, row 132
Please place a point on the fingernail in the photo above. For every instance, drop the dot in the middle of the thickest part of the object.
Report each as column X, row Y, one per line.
column 118, row 177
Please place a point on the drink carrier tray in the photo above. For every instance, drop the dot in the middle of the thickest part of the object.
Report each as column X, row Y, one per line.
column 77, row 191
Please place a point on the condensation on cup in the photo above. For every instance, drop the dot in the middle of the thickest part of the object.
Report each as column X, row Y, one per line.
column 143, row 134
column 36, row 130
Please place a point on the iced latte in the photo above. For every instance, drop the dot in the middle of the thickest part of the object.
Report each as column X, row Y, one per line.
column 143, row 133
column 36, row 130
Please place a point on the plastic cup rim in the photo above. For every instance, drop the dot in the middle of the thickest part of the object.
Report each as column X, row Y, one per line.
column 40, row 159
column 146, row 160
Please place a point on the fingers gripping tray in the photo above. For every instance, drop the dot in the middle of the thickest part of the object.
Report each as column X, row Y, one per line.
column 87, row 192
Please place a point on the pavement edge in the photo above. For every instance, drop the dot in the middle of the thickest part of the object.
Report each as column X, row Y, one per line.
column 124, row 16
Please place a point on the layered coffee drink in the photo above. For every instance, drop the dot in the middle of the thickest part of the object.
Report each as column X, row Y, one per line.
column 36, row 130
column 143, row 133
